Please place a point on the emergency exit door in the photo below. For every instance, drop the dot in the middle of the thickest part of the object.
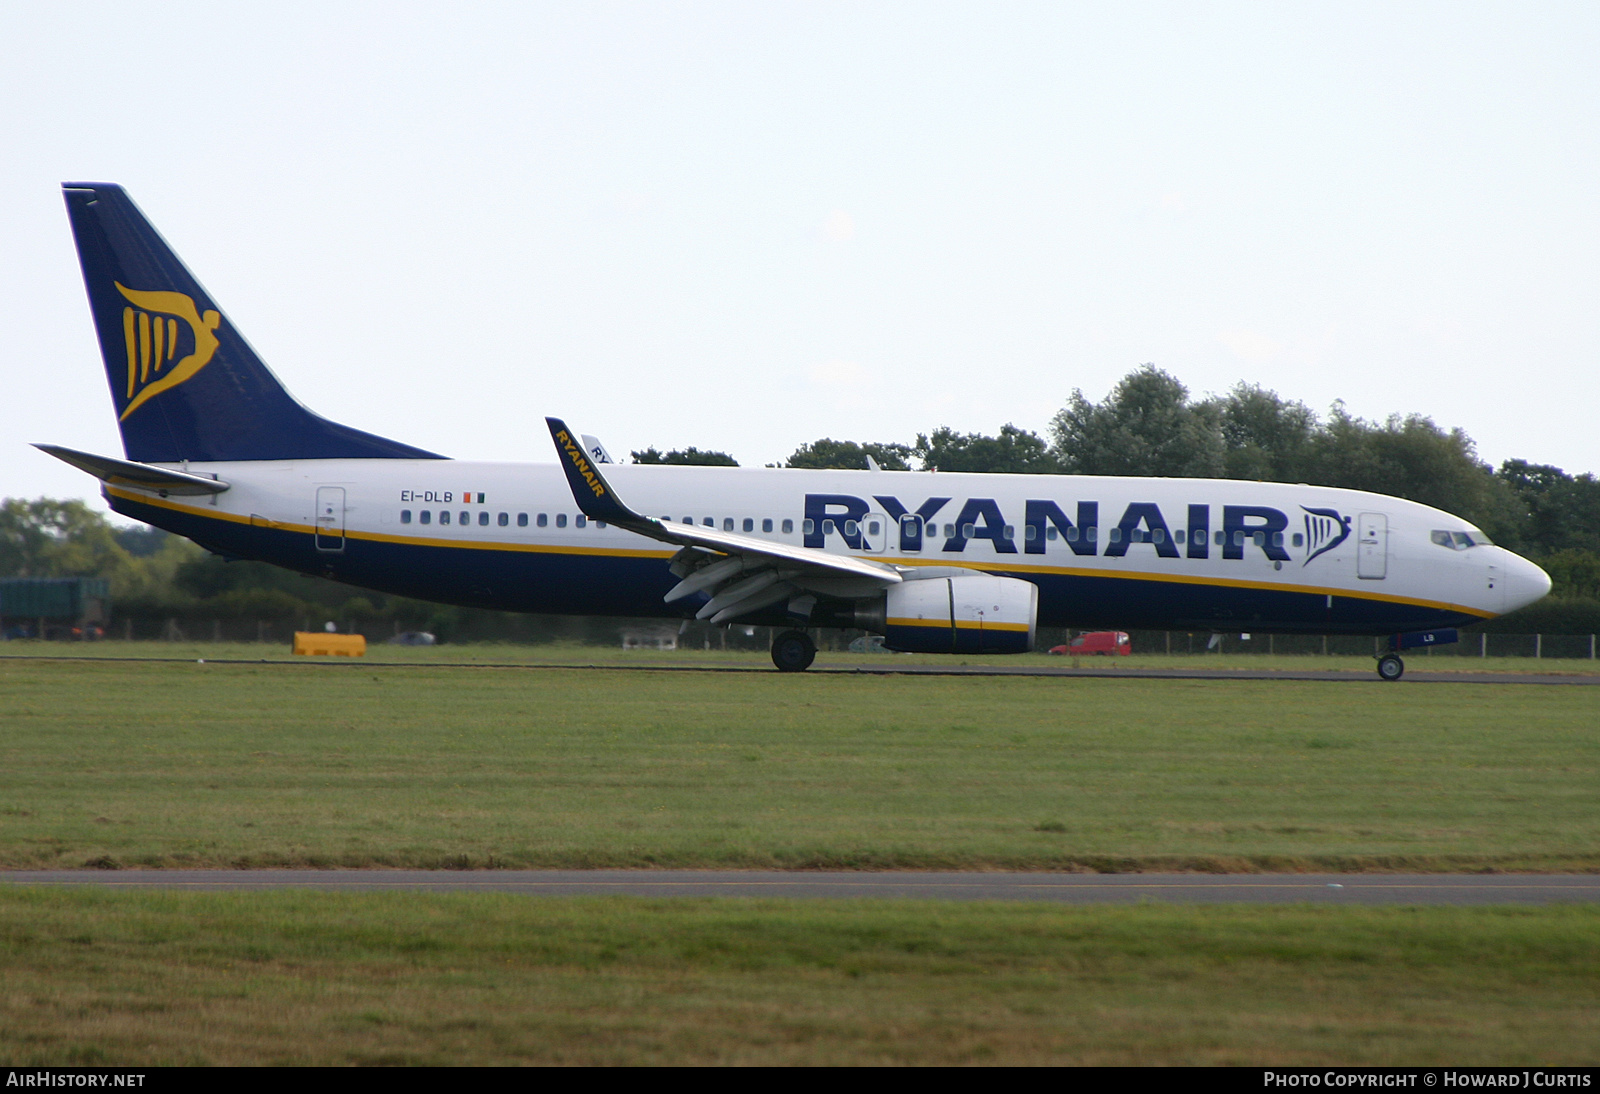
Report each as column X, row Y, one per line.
column 330, row 518
column 1372, row 546
column 875, row 528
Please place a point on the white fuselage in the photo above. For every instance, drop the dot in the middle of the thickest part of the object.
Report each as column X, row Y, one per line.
column 1104, row 551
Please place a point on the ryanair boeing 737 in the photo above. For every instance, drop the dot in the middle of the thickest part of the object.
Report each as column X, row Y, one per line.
column 217, row 450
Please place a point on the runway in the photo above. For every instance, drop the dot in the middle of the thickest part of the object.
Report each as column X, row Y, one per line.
column 1329, row 889
column 985, row 668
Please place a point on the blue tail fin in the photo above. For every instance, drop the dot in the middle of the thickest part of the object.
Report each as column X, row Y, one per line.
column 186, row 385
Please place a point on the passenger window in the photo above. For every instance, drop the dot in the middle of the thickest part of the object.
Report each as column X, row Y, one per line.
column 444, row 516
column 561, row 520
column 810, row 526
column 522, row 520
column 580, row 521
column 872, row 528
column 1050, row 533
column 851, row 528
column 1277, row 539
column 727, row 524
column 1090, row 534
column 708, row 522
column 1259, row 538
column 1238, row 539
column 1009, row 532
column 483, row 518
column 749, row 525
column 1115, row 535
column 1031, row 534
column 1180, row 536
column 1072, row 534
column 405, row 516
column 543, row 520
column 505, row 519
column 466, row 517
column 1222, row 539
column 766, row 525
column 688, row 520
column 967, row 530
column 827, row 527
column 949, row 531
column 425, row 516
column 599, row 524
column 1299, row 540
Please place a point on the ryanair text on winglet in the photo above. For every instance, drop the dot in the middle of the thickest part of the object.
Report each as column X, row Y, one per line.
column 575, row 454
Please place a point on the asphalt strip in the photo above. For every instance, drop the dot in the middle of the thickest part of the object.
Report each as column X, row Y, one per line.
column 1334, row 889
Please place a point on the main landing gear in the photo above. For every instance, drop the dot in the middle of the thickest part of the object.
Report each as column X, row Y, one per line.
column 793, row 651
column 1390, row 667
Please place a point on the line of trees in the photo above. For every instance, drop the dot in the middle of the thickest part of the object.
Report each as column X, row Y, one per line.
column 1148, row 425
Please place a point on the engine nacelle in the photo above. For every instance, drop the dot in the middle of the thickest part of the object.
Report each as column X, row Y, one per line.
column 973, row 613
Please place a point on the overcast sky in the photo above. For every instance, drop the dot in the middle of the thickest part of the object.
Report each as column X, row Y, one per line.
column 748, row 226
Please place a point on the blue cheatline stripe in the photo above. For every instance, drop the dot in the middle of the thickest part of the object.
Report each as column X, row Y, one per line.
column 608, row 581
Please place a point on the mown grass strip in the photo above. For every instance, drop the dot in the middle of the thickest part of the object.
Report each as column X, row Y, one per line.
column 136, row 978
column 113, row 763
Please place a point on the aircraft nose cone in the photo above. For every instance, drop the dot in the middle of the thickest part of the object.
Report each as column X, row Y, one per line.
column 1524, row 581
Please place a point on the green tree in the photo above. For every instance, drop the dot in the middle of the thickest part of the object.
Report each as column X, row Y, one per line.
column 1015, row 452
column 1411, row 457
column 1573, row 573
column 1265, row 436
column 850, row 456
column 50, row 538
column 686, row 456
column 1146, row 426
column 1561, row 511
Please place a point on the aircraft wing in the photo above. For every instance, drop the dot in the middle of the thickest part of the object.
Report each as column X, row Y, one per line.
column 141, row 475
column 743, row 574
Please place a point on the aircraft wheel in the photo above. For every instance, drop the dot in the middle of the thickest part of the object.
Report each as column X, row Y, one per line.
column 1390, row 667
column 793, row 651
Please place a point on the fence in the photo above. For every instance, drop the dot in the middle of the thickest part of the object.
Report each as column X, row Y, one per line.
column 1480, row 644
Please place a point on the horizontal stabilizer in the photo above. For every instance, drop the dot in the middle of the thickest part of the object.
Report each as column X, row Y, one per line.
column 142, row 476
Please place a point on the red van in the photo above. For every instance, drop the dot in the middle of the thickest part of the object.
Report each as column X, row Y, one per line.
column 1109, row 643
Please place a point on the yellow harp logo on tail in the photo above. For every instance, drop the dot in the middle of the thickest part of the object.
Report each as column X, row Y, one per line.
column 152, row 333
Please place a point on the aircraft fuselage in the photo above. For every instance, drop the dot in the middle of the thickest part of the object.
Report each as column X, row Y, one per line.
column 1128, row 552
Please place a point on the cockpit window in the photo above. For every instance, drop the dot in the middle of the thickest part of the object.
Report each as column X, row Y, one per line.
column 1460, row 541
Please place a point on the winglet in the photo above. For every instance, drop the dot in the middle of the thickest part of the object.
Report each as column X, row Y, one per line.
column 593, row 494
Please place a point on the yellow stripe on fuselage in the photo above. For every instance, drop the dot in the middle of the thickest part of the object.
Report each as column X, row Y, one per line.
column 991, row 567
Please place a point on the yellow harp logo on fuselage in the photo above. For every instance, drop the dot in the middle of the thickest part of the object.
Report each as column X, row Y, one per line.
column 151, row 331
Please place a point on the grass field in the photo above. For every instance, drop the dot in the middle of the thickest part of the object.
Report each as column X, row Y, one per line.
column 130, row 762
column 184, row 764
column 133, row 979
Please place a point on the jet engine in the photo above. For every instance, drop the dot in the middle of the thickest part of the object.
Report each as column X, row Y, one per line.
column 968, row 613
